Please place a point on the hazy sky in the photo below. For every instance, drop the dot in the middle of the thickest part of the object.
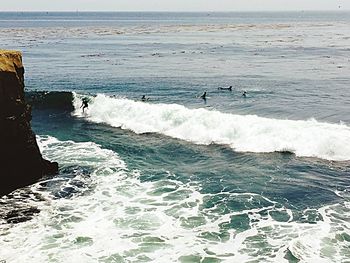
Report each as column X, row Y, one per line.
column 171, row 5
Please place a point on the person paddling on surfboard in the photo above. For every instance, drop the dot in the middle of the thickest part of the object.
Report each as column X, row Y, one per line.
column 143, row 98
column 229, row 88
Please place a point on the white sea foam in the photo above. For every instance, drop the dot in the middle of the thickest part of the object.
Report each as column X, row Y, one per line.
column 243, row 133
column 123, row 219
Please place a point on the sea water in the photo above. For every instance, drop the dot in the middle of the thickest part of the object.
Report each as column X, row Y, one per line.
column 261, row 178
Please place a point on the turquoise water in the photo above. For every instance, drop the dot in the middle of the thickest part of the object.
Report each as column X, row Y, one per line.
column 178, row 179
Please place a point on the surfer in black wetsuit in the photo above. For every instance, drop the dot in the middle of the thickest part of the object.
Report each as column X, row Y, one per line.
column 229, row 88
column 143, row 98
column 244, row 94
column 204, row 95
column 85, row 104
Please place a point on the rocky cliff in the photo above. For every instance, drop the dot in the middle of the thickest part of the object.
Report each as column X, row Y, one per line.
column 21, row 162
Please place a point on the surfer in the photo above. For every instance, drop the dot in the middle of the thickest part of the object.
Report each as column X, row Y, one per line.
column 143, row 98
column 244, row 94
column 229, row 88
column 85, row 104
column 204, row 95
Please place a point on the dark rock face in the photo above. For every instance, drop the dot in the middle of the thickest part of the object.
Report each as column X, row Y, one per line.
column 21, row 162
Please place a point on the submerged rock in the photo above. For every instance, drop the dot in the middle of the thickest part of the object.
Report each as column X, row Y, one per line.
column 21, row 162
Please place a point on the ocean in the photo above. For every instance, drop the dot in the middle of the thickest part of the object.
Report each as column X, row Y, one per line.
column 256, row 178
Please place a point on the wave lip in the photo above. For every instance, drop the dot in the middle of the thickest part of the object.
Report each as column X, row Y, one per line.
column 61, row 100
column 243, row 133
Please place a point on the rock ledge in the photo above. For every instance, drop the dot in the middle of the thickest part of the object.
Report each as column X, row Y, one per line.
column 21, row 162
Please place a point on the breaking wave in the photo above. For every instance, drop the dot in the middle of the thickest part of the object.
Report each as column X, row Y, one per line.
column 243, row 133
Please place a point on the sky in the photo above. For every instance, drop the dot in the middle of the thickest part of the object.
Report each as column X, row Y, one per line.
column 172, row 5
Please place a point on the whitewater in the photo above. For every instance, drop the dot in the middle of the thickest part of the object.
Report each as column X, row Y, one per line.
column 243, row 133
column 115, row 217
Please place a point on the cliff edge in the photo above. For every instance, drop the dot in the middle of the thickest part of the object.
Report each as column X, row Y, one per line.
column 21, row 162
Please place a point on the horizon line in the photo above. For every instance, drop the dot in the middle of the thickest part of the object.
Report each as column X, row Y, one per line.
column 175, row 11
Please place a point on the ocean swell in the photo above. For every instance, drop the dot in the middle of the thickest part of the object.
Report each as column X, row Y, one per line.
column 243, row 133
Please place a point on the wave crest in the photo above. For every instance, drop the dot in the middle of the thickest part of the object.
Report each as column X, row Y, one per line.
column 243, row 133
